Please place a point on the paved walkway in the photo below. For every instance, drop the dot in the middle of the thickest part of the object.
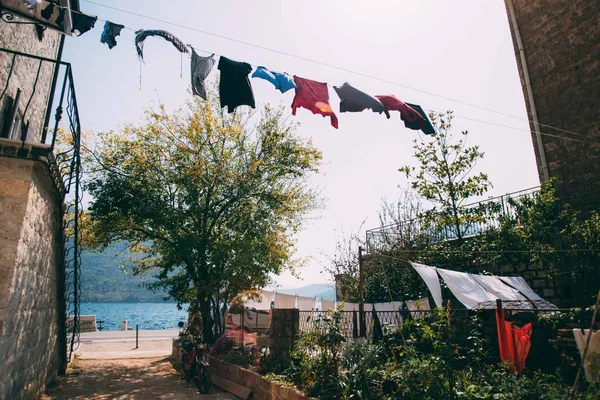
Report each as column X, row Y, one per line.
column 111, row 368
column 128, row 336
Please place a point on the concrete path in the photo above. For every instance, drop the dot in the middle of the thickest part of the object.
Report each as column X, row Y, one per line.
column 121, row 344
column 127, row 336
column 107, row 366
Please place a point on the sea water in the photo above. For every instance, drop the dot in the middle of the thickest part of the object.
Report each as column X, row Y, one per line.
column 146, row 315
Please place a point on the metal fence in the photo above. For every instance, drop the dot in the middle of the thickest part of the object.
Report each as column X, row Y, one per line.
column 416, row 231
column 63, row 158
column 316, row 321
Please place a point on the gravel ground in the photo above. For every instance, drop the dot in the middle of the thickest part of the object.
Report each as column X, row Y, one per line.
column 117, row 371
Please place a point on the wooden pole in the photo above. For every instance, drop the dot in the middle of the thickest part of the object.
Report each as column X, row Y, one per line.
column 243, row 315
column 585, row 348
column 361, row 289
column 136, row 335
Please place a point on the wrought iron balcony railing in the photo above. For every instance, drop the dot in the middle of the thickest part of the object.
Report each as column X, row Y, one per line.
column 57, row 142
column 413, row 230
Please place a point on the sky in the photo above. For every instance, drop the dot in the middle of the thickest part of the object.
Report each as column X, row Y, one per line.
column 446, row 49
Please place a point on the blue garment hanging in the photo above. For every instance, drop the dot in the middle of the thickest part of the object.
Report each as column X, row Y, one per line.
column 110, row 32
column 282, row 81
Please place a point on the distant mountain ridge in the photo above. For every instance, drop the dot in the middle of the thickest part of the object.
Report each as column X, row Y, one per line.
column 324, row 290
column 102, row 280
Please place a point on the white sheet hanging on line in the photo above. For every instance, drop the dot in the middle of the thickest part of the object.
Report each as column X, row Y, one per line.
column 257, row 299
column 393, row 306
column 285, row 300
column 327, row 305
column 430, row 276
column 306, row 303
column 418, row 305
column 592, row 359
column 496, row 287
column 521, row 285
column 465, row 288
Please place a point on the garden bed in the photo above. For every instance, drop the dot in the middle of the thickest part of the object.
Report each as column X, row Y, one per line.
column 262, row 388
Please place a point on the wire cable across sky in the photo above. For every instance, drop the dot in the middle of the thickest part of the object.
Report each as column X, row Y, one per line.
column 328, row 65
column 323, row 64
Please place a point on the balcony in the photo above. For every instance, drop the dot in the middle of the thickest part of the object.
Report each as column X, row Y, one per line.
column 40, row 132
column 415, row 230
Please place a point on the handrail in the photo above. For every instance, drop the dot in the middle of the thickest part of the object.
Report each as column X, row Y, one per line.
column 440, row 233
column 65, row 170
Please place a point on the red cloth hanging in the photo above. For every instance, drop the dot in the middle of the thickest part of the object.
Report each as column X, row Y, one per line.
column 514, row 342
column 314, row 96
column 392, row 103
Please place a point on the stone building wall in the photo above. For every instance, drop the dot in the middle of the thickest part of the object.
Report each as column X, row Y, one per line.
column 561, row 43
column 32, row 306
column 32, row 315
column 23, row 38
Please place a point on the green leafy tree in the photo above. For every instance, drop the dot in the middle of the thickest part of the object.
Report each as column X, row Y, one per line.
column 387, row 274
column 444, row 177
column 541, row 230
column 212, row 200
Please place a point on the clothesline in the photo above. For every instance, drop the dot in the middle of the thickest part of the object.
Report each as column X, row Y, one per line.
column 428, row 130
column 476, row 291
column 330, row 66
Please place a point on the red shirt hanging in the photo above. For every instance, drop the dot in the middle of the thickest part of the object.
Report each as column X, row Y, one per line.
column 392, row 103
column 413, row 115
column 514, row 342
column 314, row 96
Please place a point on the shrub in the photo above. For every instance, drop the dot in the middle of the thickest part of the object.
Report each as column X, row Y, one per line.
column 361, row 375
column 315, row 360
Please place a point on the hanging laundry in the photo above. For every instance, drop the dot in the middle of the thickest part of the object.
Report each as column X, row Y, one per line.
column 424, row 125
column 430, row 276
column 418, row 305
column 47, row 12
column 234, row 86
column 141, row 35
column 465, row 288
column 110, row 32
column 413, row 115
column 392, row 103
column 377, row 330
column 200, row 68
column 514, row 342
column 82, row 23
column 60, row 20
column 328, row 305
column 495, row 286
column 282, row 81
column 31, row 4
column 591, row 365
column 354, row 100
column 313, row 96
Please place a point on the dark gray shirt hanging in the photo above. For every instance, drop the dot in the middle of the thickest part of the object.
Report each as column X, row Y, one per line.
column 354, row 100
column 200, row 68
column 141, row 35
column 82, row 23
column 234, row 87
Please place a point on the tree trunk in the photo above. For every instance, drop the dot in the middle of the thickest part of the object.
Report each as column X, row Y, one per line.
column 207, row 321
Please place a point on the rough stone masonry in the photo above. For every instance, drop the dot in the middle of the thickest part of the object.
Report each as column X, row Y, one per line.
column 32, row 306
column 561, row 41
